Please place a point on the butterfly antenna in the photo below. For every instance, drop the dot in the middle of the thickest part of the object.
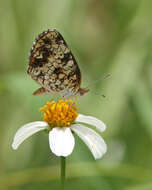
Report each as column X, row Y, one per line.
column 98, row 80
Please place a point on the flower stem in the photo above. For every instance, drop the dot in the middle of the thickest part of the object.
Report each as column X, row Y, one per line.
column 63, row 164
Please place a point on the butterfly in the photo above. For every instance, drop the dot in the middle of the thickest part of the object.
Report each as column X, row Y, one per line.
column 53, row 66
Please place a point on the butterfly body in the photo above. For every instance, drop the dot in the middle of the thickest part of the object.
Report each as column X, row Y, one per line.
column 53, row 66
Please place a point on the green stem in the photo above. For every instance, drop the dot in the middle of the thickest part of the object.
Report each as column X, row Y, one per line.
column 63, row 164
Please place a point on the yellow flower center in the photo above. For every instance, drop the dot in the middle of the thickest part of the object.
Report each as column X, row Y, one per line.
column 59, row 114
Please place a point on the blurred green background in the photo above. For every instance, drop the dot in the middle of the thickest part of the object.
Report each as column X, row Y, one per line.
column 106, row 36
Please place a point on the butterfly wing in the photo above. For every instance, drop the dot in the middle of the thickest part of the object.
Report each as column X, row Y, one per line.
column 53, row 66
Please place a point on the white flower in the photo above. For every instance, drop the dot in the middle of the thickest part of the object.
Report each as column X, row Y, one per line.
column 61, row 139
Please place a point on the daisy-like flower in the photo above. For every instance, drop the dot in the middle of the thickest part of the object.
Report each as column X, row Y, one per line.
column 61, row 120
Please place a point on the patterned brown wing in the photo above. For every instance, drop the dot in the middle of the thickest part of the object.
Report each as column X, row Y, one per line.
column 53, row 66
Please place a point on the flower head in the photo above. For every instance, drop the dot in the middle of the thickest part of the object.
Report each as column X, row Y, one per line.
column 61, row 113
column 60, row 118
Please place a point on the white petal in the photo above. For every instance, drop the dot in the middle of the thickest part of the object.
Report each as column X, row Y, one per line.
column 92, row 139
column 100, row 126
column 61, row 141
column 26, row 131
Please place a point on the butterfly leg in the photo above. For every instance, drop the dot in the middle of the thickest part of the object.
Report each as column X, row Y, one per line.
column 41, row 91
